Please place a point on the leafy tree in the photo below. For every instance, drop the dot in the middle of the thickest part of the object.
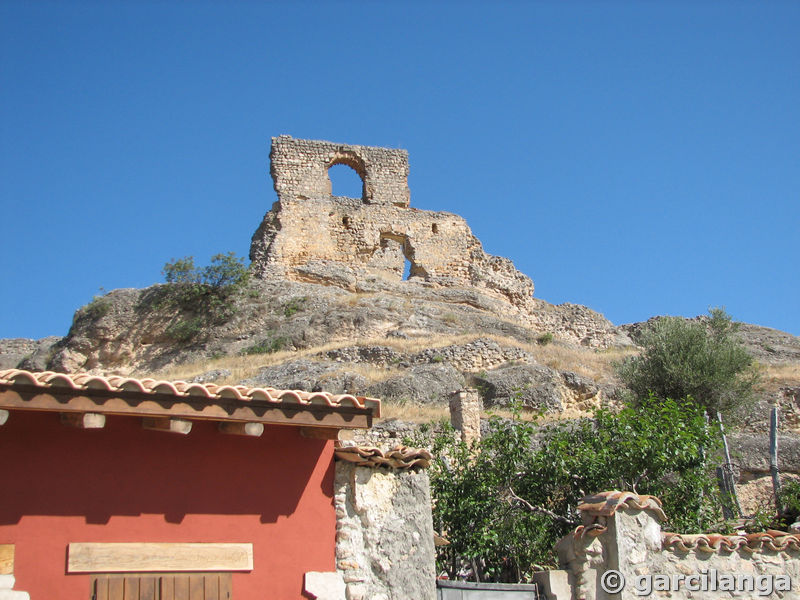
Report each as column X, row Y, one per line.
column 504, row 503
column 202, row 296
column 699, row 359
column 226, row 271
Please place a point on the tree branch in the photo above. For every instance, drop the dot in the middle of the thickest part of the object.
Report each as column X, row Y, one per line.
column 538, row 509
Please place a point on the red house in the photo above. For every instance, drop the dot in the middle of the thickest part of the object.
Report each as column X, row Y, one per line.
column 127, row 489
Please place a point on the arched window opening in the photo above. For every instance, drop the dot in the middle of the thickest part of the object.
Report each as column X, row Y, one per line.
column 345, row 181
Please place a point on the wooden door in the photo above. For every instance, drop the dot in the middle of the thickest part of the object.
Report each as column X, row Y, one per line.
column 162, row 586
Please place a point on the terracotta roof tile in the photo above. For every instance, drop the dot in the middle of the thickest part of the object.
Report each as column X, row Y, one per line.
column 85, row 381
column 399, row 457
column 778, row 541
column 592, row 530
column 605, row 504
column 198, row 396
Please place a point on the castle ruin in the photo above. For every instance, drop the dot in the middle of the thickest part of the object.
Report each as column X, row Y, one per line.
column 310, row 235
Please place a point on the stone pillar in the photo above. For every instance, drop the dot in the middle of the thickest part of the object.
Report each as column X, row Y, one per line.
column 384, row 529
column 465, row 414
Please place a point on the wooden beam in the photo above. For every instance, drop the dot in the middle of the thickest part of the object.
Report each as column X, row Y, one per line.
column 165, row 424
column 144, row 557
column 6, row 559
column 84, row 420
column 249, row 429
column 320, row 433
column 164, row 405
column 3, row 416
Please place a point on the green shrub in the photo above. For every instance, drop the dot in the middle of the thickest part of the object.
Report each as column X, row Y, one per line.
column 698, row 359
column 293, row 306
column 203, row 296
column 790, row 501
column 544, row 338
column 267, row 346
column 185, row 330
column 505, row 502
column 98, row 308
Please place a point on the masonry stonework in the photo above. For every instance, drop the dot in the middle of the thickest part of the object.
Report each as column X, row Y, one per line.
column 310, row 235
column 384, row 529
column 465, row 414
column 622, row 532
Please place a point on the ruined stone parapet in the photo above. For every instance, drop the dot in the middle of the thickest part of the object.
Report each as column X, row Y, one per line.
column 310, row 235
column 300, row 170
column 465, row 414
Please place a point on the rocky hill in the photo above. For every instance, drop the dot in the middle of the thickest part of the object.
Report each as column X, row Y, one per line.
column 373, row 297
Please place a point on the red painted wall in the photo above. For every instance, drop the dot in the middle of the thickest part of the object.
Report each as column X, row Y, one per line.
column 126, row 484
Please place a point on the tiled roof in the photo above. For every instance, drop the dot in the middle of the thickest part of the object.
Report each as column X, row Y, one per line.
column 399, row 457
column 126, row 395
column 605, row 504
column 210, row 391
column 778, row 541
column 592, row 530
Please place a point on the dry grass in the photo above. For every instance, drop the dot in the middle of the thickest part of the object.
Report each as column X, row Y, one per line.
column 785, row 373
column 355, row 298
column 415, row 412
column 595, row 364
column 428, row 413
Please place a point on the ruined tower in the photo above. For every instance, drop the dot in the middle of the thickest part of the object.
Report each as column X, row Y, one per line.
column 310, row 235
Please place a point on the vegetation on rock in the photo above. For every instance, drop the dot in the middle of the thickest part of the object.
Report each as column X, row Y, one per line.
column 699, row 359
column 203, row 296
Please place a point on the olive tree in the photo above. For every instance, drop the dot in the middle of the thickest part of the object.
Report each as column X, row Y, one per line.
column 701, row 359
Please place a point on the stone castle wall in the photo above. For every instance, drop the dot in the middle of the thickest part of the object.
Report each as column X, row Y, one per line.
column 309, row 235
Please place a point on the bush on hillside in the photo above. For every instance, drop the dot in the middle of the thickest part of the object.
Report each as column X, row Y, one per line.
column 203, row 296
column 699, row 359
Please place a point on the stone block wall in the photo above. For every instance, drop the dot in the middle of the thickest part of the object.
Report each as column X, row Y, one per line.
column 384, row 530
column 622, row 532
column 465, row 414
column 300, row 170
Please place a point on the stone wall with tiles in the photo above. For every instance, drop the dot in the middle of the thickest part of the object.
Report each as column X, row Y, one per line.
column 622, row 532
column 384, row 532
column 309, row 235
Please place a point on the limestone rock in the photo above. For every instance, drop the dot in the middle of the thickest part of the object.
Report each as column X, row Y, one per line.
column 751, row 452
column 431, row 383
column 25, row 353
column 535, row 386
column 311, row 376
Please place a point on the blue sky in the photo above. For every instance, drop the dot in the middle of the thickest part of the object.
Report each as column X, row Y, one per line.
column 640, row 158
